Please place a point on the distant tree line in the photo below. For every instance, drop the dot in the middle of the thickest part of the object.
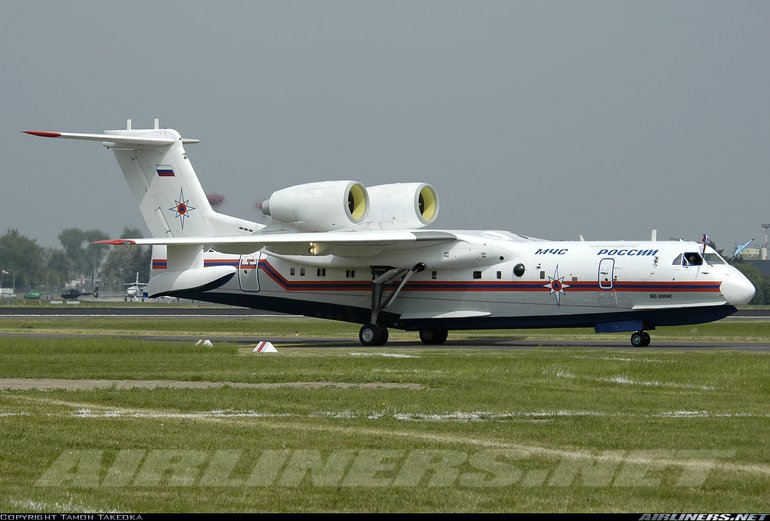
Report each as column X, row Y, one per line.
column 28, row 266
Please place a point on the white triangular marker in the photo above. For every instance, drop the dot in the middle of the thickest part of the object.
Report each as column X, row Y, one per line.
column 265, row 347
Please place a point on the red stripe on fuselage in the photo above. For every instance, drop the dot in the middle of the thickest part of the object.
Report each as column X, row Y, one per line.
column 471, row 285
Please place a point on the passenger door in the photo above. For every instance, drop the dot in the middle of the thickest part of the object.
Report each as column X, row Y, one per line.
column 247, row 272
column 606, row 273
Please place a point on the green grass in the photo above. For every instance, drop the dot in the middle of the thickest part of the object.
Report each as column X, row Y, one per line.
column 132, row 326
column 443, row 430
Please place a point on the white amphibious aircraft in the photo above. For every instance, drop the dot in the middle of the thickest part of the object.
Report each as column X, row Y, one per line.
column 342, row 251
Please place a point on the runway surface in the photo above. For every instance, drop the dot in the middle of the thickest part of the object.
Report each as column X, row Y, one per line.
column 135, row 311
column 511, row 342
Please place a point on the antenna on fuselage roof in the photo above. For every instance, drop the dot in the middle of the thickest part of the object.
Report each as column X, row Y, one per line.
column 654, row 235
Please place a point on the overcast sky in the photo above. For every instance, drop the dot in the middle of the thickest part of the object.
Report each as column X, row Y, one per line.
column 546, row 118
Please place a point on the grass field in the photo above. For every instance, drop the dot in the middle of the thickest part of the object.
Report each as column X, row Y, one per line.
column 355, row 429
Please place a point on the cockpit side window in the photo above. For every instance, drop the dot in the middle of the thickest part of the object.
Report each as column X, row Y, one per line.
column 692, row 258
column 678, row 260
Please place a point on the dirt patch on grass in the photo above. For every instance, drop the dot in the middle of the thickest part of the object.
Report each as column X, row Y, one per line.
column 25, row 384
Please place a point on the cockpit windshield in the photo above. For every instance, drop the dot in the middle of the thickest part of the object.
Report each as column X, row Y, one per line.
column 694, row 258
column 714, row 258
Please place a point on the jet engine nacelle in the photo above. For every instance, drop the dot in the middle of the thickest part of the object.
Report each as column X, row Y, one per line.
column 401, row 206
column 319, row 207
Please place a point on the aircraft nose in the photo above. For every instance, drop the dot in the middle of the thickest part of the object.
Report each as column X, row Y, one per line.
column 737, row 289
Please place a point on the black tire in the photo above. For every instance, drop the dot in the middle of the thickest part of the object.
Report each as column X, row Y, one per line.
column 371, row 335
column 647, row 339
column 433, row 336
column 637, row 339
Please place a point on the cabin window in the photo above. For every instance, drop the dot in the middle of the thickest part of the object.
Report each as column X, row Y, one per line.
column 434, row 275
column 542, row 275
column 476, row 274
column 499, row 274
column 302, row 272
column 321, row 272
column 350, row 274
column 292, row 271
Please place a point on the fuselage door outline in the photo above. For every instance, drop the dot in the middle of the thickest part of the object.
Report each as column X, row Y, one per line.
column 247, row 272
column 606, row 273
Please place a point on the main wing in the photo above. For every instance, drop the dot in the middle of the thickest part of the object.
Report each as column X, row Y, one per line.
column 348, row 244
column 185, row 259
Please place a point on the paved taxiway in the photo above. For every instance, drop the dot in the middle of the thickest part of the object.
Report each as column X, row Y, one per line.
column 512, row 342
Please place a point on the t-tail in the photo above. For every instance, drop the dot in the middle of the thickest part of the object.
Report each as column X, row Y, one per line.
column 164, row 183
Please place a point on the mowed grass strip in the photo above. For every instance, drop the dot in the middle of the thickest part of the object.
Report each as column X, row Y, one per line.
column 543, row 429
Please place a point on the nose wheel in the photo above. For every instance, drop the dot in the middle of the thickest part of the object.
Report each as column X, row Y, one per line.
column 640, row 339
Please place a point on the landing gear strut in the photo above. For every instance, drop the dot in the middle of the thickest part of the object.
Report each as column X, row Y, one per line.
column 640, row 339
column 372, row 334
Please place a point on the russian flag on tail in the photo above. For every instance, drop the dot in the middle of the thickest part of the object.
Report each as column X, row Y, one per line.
column 165, row 171
column 265, row 347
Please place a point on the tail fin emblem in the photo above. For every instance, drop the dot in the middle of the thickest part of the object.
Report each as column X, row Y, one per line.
column 182, row 208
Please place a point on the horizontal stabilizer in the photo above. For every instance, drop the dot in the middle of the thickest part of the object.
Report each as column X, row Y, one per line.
column 108, row 139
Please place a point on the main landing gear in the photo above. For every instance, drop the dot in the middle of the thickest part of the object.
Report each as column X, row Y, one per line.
column 640, row 339
column 433, row 337
column 373, row 334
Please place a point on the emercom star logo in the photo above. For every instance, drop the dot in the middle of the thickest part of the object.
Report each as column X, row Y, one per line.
column 556, row 285
column 182, row 208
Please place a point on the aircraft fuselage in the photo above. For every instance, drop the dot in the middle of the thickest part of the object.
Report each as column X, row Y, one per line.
column 495, row 280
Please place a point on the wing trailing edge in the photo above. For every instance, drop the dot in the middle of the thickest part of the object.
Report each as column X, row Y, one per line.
column 314, row 242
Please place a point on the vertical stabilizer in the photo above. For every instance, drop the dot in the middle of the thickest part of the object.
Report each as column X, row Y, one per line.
column 163, row 182
column 167, row 189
